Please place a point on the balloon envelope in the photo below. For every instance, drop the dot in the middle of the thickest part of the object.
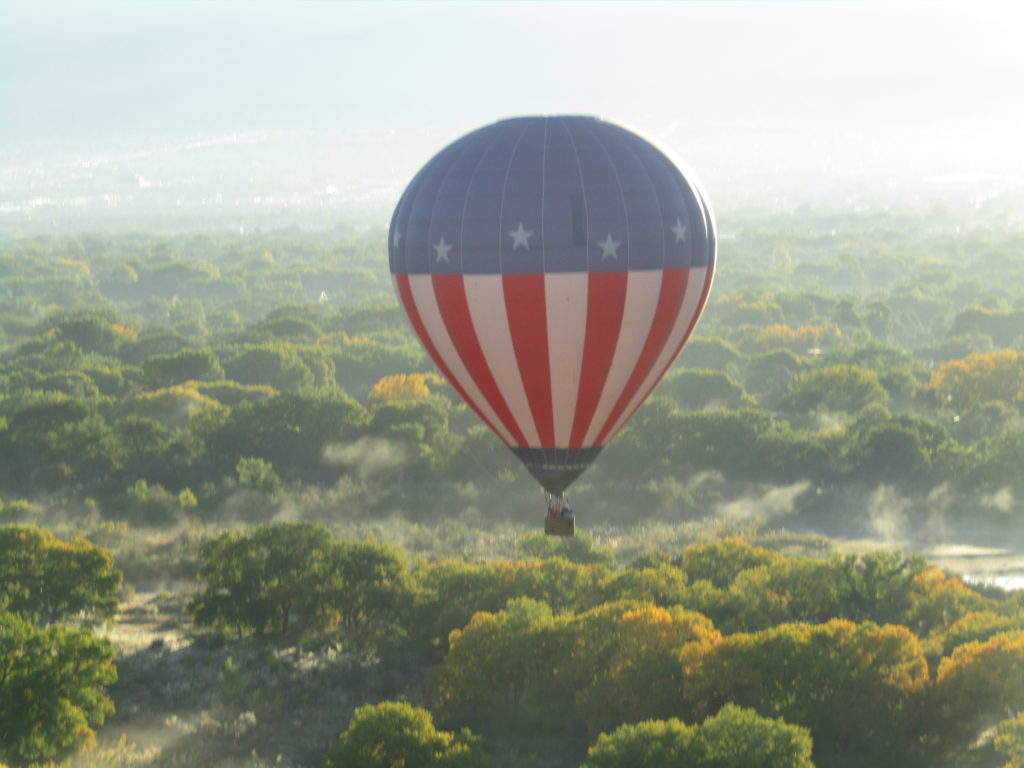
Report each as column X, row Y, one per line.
column 553, row 268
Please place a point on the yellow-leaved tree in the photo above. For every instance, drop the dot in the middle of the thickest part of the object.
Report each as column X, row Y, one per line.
column 404, row 387
column 980, row 378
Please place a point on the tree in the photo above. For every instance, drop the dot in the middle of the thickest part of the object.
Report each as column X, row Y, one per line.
column 850, row 684
column 663, row 585
column 879, row 586
column 651, row 744
column 288, row 430
column 695, row 390
column 51, row 690
column 396, row 734
column 740, row 738
column 978, row 626
column 576, row 549
column 89, row 332
column 616, row 662
column 50, row 438
column 162, row 371
column 709, row 352
column 838, row 388
column 261, row 580
column 452, row 591
column 47, row 580
column 498, row 664
column 720, row 561
column 979, row 378
column 938, row 600
column 143, row 442
column 723, row 440
column 258, row 474
column 284, row 577
column 172, row 407
column 275, row 364
column 977, row 685
column 1010, row 740
column 620, row 662
column 768, row 375
column 733, row 738
column 799, row 340
column 404, row 386
column 369, row 587
column 1003, row 326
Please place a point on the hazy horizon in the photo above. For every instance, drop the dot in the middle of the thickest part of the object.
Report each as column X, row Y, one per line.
column 124, row 105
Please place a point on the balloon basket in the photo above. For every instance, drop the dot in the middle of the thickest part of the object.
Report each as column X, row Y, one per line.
column 560, row 526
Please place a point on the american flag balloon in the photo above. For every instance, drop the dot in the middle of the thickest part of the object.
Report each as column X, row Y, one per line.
column 553, row 268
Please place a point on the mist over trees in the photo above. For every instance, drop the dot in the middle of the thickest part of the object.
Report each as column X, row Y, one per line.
column 886, row 356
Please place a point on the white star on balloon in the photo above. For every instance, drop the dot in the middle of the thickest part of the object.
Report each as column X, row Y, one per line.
column 442, row 249
column 680, row 230
column 520, row 237
column 609, row 248
column 396, row 238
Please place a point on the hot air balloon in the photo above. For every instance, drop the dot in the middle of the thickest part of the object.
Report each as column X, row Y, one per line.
column 553, row 268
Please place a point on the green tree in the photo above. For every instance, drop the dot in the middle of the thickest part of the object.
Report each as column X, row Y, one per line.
column 768, row 375
column 1010, row 740
column 275, row 364
column 720, row 561
column 852, row 685
column 290, row 431
column 258, row 474
column 664, row 585
column 452, row 591
column 619, row 662
column 576, row 549
column 710, row 353
column 89, row 332
column 616, row 662
column 937, row 601
column 880, row 587
column 47, row 580
column 977, row 685
column 838, row 388
column 162, row 371
column 740, row 738
column 52, row 684
column 498, row 663
column 369, row 587
column 733, row 738
column 295, row 576
column 263, row 579
column 695, row 390
column 51, row 439
column 651, row 744
column 396, row 734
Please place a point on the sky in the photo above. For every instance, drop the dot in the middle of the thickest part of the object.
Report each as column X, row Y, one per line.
column 738, row 90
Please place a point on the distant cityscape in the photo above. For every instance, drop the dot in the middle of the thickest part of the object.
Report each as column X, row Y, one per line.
column 277, row 179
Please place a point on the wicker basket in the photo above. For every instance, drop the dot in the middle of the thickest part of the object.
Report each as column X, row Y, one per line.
column 560, row 526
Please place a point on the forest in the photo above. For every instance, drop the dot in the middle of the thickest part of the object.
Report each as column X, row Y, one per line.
column 244, row 522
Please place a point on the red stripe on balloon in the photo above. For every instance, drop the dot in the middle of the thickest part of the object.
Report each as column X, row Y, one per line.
column 670, row 300
column 606, row 300
column 409, row 305
column 705, row 290
column 451, row 299
column 527, row 321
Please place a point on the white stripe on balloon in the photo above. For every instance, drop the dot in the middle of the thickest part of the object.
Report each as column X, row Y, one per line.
column 422, row 289
column 565, row 295
column 694, row 290
column 642, row 290
column 485, row 295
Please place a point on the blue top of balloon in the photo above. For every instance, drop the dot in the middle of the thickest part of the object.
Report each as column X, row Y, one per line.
column 546, row 194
